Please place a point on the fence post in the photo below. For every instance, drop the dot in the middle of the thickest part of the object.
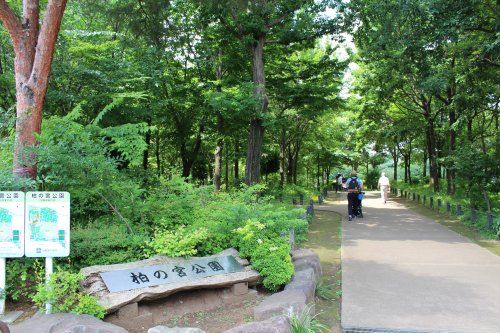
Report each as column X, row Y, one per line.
column 440, row 203
column 448, row 207
column 418, row 198
column 431, row 202
column 425, row 200
column 489, row 217
column 473, row 215
column 281, row 197
column 459, row 210
column 413, row 196
column 301, row 198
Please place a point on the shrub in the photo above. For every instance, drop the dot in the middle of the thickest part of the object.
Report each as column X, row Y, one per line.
column 272, row 260
column 270, row 256
column 105, row 242
column 62, row 291
column 23, row 275
column 181, row 242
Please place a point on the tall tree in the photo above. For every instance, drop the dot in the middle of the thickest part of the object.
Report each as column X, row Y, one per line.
column 256, row 23
column 34, row 49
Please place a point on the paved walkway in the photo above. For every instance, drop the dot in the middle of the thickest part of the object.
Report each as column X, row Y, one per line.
column 402, row 271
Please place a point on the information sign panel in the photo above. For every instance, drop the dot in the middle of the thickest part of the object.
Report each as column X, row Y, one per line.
column 148, row 276
column 47, row 224
column 11, row 224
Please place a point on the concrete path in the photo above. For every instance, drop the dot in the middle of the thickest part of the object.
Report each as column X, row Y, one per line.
column 403, row 272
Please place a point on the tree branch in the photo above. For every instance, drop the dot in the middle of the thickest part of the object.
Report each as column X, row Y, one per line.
column 46, row 42
column 11, row 23
column 30, row 25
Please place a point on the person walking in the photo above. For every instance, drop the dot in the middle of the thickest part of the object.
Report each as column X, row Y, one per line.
column 384, row 186
column 354, row 187
column 338, row 182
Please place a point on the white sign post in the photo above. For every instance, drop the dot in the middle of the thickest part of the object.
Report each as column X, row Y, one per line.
column 47, row 227
column 11, row 240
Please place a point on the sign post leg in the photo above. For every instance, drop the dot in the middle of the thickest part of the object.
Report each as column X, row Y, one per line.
column 2, row 286
column 49, row 268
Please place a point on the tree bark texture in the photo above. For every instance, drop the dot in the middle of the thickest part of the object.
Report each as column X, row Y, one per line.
column 34, row 49
column 282, row 157
column 256, row 133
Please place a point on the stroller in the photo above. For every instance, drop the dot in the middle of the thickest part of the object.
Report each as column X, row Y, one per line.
column 359, row 213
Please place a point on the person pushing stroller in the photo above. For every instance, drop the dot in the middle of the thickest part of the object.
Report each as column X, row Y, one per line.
column 354, row 188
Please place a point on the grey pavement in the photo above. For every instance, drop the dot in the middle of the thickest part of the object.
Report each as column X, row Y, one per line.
column 404, row 272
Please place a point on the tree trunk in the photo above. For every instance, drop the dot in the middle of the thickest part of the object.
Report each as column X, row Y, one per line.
column 424, row 170
column 317, row 172
column 157, row 152
column 282, row 157
column 226, row 175
column 236, row 161
column 409, row 162
column 394, row 154
column 218, row 155
column 145, row 157
column 450, row 171
column 256, row 133
column 220, row 140
column 218, row 165
column 431, row 152
column 34, row 49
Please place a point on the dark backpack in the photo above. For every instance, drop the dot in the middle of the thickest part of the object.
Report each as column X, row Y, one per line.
column 353, row 185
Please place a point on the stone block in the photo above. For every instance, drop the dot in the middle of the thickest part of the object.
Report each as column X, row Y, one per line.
column 307, row 286
column 307, row 274
column 305, row 263
column 128, row 311
column 165, row 329
column 231, row 299
column 282, row 303
column 239, row 288
column 65, row 323
column 304, row 253
column 94, row 285
column 279, row 324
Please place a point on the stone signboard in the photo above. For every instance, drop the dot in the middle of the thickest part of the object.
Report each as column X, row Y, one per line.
column 148, row 276
column 164, row 277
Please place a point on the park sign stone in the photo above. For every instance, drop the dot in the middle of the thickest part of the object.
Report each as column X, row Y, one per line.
column 117, row 285
column 148, row 276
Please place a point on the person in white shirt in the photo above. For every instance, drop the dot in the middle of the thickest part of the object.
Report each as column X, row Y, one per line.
column 384, row 186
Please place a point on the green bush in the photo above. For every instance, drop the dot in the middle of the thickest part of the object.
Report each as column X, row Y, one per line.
column 105, row 242
column 63, row 293
column 269, row 254
column 23, row 275
column 181, row 242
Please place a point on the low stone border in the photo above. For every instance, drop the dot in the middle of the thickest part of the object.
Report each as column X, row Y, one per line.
column 271, row 315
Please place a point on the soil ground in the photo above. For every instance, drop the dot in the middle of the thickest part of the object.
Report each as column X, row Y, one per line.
column 325, row 239
column 216, row 321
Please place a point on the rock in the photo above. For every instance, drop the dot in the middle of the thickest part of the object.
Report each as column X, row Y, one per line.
column 302, row 264
column 165, row 329
column 304, row 254
column 281, row 303
column 307, row 286
column 279, row 324
column 306, row 273
column 94, row 285
column 306, row 258
column 65, row 323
